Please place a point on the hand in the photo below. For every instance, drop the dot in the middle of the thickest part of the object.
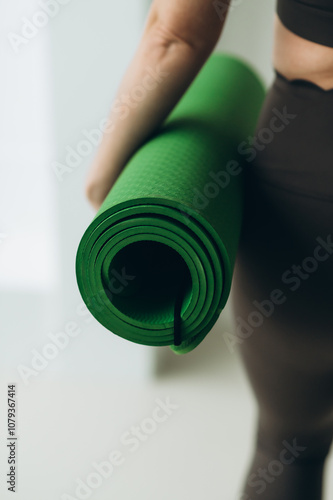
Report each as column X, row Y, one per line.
column 161, row 70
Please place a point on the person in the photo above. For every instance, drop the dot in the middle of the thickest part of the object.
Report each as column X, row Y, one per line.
column 282, row 284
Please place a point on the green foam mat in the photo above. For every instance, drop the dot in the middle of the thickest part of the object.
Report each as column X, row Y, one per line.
column 170, row 225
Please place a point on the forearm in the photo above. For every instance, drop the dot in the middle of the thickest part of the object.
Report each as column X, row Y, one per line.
column 160, row 72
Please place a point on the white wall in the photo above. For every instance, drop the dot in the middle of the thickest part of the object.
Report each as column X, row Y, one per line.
column 248, row 32
column 29, row 244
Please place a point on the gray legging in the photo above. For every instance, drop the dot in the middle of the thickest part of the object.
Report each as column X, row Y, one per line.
column 282, row 290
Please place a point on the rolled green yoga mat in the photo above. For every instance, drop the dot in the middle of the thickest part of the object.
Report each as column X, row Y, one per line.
column 167, row 233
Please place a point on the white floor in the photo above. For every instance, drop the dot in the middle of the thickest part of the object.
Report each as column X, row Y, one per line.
column 68, row 420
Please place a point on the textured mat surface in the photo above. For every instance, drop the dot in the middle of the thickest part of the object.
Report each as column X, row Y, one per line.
column 166, row 235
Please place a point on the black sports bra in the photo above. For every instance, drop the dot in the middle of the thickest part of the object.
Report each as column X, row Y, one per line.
column 312, row 20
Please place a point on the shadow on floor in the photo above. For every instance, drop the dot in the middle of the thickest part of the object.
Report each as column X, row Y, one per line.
column 210, row 358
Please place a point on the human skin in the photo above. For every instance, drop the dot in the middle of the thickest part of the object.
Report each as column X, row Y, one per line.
column 178, row 37
column 294, row 57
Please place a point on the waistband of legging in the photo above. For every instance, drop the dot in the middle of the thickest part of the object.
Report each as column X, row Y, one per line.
column 301, row 87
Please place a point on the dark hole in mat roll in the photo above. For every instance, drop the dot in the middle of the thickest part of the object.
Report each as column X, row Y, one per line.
column 164, row 242
column 153, row 271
